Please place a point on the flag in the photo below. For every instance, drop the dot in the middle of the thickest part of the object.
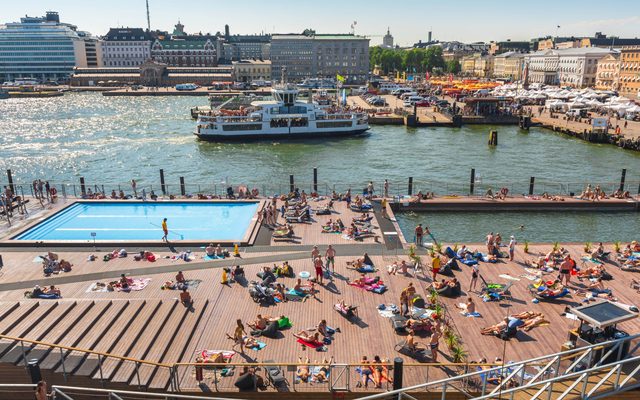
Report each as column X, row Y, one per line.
column 340, row 78
column 427, row 76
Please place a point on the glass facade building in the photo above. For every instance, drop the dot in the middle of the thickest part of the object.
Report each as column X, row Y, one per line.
column 39, row 48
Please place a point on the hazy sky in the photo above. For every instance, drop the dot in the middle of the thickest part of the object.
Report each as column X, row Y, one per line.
column 409, row 20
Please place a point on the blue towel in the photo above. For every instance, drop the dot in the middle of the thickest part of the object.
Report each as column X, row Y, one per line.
column 293, row 292
column 366, row 268
column 469, row 262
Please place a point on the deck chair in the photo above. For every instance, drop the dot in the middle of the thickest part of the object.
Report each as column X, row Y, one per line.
column 275, row 375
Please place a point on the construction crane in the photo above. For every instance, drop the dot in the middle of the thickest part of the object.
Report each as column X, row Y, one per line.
column 148, row 18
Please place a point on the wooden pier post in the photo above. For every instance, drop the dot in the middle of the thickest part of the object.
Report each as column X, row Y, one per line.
column 10, row 181
column 83, row 189
column 292, row 186
column 472, row 183
column 163, row 187
column 183, row 190
column 410, row 191
column 532, row 182
column 315, row 180
column 622, row 178
column 493, row 138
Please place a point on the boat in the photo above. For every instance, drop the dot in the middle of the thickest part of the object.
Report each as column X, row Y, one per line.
column 4, row 94
column 283, row 117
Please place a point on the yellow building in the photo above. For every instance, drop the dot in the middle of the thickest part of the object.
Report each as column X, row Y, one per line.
column 468, row 65
column 251, row 70
column 608, row 72
column 630, row 72
column 508, row 66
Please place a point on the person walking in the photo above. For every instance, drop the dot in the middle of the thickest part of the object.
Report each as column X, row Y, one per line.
column 475, row 273
column 419, row 232
column 330, row 255
column 165, row 230
column 512, row 247
column 435, row 266
column 565, row 270
column 317, row 263
column 315, row 253
column 405, row 298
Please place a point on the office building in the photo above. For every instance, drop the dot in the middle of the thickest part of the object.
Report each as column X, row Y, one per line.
column 126, row 47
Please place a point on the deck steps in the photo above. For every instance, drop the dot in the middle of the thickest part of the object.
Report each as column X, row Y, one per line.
column 161, row 326
column 14, row 318
column 25, row 324
column 158, row 378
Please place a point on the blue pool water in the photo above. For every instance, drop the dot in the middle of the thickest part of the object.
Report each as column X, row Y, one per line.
column 142, row 221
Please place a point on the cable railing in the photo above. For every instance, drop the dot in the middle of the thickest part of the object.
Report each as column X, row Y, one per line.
column 325, row 188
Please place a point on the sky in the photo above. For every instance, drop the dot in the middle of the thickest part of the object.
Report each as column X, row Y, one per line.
column 408, row 20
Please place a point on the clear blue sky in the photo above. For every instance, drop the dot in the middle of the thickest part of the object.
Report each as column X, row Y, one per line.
column 409, row 20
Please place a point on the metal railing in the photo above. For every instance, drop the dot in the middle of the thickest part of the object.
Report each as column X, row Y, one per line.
column 572, row 367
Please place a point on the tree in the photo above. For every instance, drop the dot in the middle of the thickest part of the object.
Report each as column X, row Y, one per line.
column 453, row 66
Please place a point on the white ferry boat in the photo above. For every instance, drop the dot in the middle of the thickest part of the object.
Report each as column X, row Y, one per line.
column 284, row 117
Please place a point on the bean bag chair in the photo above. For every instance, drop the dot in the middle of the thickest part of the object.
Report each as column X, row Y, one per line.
column 271, row 331
column 246, row 383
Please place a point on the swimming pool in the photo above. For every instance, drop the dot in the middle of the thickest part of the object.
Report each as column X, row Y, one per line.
column 141, row 221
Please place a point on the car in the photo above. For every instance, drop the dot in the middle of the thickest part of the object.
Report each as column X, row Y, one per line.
column 423, row 103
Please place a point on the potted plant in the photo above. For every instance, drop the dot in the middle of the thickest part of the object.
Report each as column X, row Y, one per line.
column 587, row 247
column 438, row 248
column 433, row 297
column 458, row 355
column 616, row 246
column 526, row 247
column 412, row 251
column 556, row 246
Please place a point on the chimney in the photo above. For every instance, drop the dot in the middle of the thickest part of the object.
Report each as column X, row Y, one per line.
column 429, row 37
column 226, row 31
column 52, row 16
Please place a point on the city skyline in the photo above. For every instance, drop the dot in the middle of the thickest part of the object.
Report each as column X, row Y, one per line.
column 490, row 20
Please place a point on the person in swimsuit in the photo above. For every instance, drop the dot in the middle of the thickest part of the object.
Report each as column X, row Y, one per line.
column 365, row 371
column 330, row 255
column 434, row 342
column 165, row 230
column 302, row 371
column 238, row 334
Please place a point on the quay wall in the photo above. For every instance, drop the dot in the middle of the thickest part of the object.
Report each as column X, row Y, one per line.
column 479, row 205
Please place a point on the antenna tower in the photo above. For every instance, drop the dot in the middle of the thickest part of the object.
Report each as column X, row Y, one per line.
column 148, row 18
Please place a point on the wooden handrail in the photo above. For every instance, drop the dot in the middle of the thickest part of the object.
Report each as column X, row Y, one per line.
column 99, row 353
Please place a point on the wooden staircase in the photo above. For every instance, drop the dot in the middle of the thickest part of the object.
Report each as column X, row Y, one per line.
column 114, row 343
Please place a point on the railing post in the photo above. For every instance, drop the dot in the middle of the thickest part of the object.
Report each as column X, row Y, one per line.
column 292, row 187
column 24, row 354
column 472, row 182
column 10, row 181
column 83, row 189
column 215, row 376
column 74, row 191
column 183, row 190
column 64, row 369
column 410, row 188
column 398, row 365
column 622, row 178
column 138, row 374
column 532, row 182
column 315, row 180
column 163, row 187
column 100, row 369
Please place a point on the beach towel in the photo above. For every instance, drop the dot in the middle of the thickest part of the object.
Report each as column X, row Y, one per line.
column 530, row 277
column 210, row 258
column 261, row 345
column 293, row 292
column 472, row 315
column 310, row 344
column 226, row 354
column 366, row 269
column 97, row 287
column 189, row 283
column 135, row 284
column 593, row 260
column 386, row 313
column 418, row 313
column 37, row 259
column 507, row 276
column 469, row 262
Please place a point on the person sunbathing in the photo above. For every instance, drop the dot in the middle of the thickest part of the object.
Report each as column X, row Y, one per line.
column 393, row 268
column 260, row 323
column 420, row 324
column 180, row 278
column 347, row 308
column 363, row 218
column 361, row 281
column 439, row 285
column 218, row 251
column 322, row 375
column 212, row 358
column 380, row 371
column 527, row 315
column 411, row 344
column 53, row 290
column 309, row 338
column 302, row 371
column 467, row 308
column 185, row 298
column 533, row 322
column 552, row 291
column 210, row 250
column 65, row 265
column 495, row 329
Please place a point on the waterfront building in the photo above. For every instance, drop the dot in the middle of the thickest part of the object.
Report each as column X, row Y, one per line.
column 496, row 48
column 150, row 73
column 243, row 47
column 608, row 72
column 543, row 67
column 468, row 65
column 251, row 70
column 191, row 52
column 42, row 48
column 387, row 40
column 126, row 47
column 613, row 42
column 483, row 66
column 508, row 66
column 311, row 55
column 577, row 67
column 630, row 72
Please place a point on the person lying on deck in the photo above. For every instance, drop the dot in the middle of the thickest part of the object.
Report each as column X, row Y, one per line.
column 360, row 261
column 533, row 322
column 302, row 371
column 261, row 322
column 304, row 288
column 210, row 250
column 53, row 290
column 185, row 298
column 497, row 328
column 321, row 375
column 363, row 218
column 419, row 324
column 469, row 307
column 307, row 337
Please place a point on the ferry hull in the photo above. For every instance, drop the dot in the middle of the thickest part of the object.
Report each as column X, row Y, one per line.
column 288, row 136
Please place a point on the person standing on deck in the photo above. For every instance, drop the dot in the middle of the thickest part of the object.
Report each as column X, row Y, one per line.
column 419, row 232
column 512, row 247
column 386, row 188
column 165, row 230
column 330, row 255
column 370, row 189
column 315, row 253
column 134, row 186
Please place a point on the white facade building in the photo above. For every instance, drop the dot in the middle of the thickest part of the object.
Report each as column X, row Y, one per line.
column 126, row 47
column 577, row 67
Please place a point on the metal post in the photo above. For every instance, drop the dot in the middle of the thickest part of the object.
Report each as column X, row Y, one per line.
column 24, row 355
column 410, row 191
column 138, row 374
column 162, row 185
column 83, row 189
column 398, row 364
column 292, row 187
column 10, row 181
column 472, row 183
column 315, row 180
column 100, row 368
column 182, row 188
column 532, row 182
column 64, row 369
column 624, row 174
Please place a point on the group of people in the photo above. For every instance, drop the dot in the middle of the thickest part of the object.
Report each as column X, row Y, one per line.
column 526, row 321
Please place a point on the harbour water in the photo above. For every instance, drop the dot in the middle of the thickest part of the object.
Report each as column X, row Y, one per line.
column 113, row 139
column 467, row 227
